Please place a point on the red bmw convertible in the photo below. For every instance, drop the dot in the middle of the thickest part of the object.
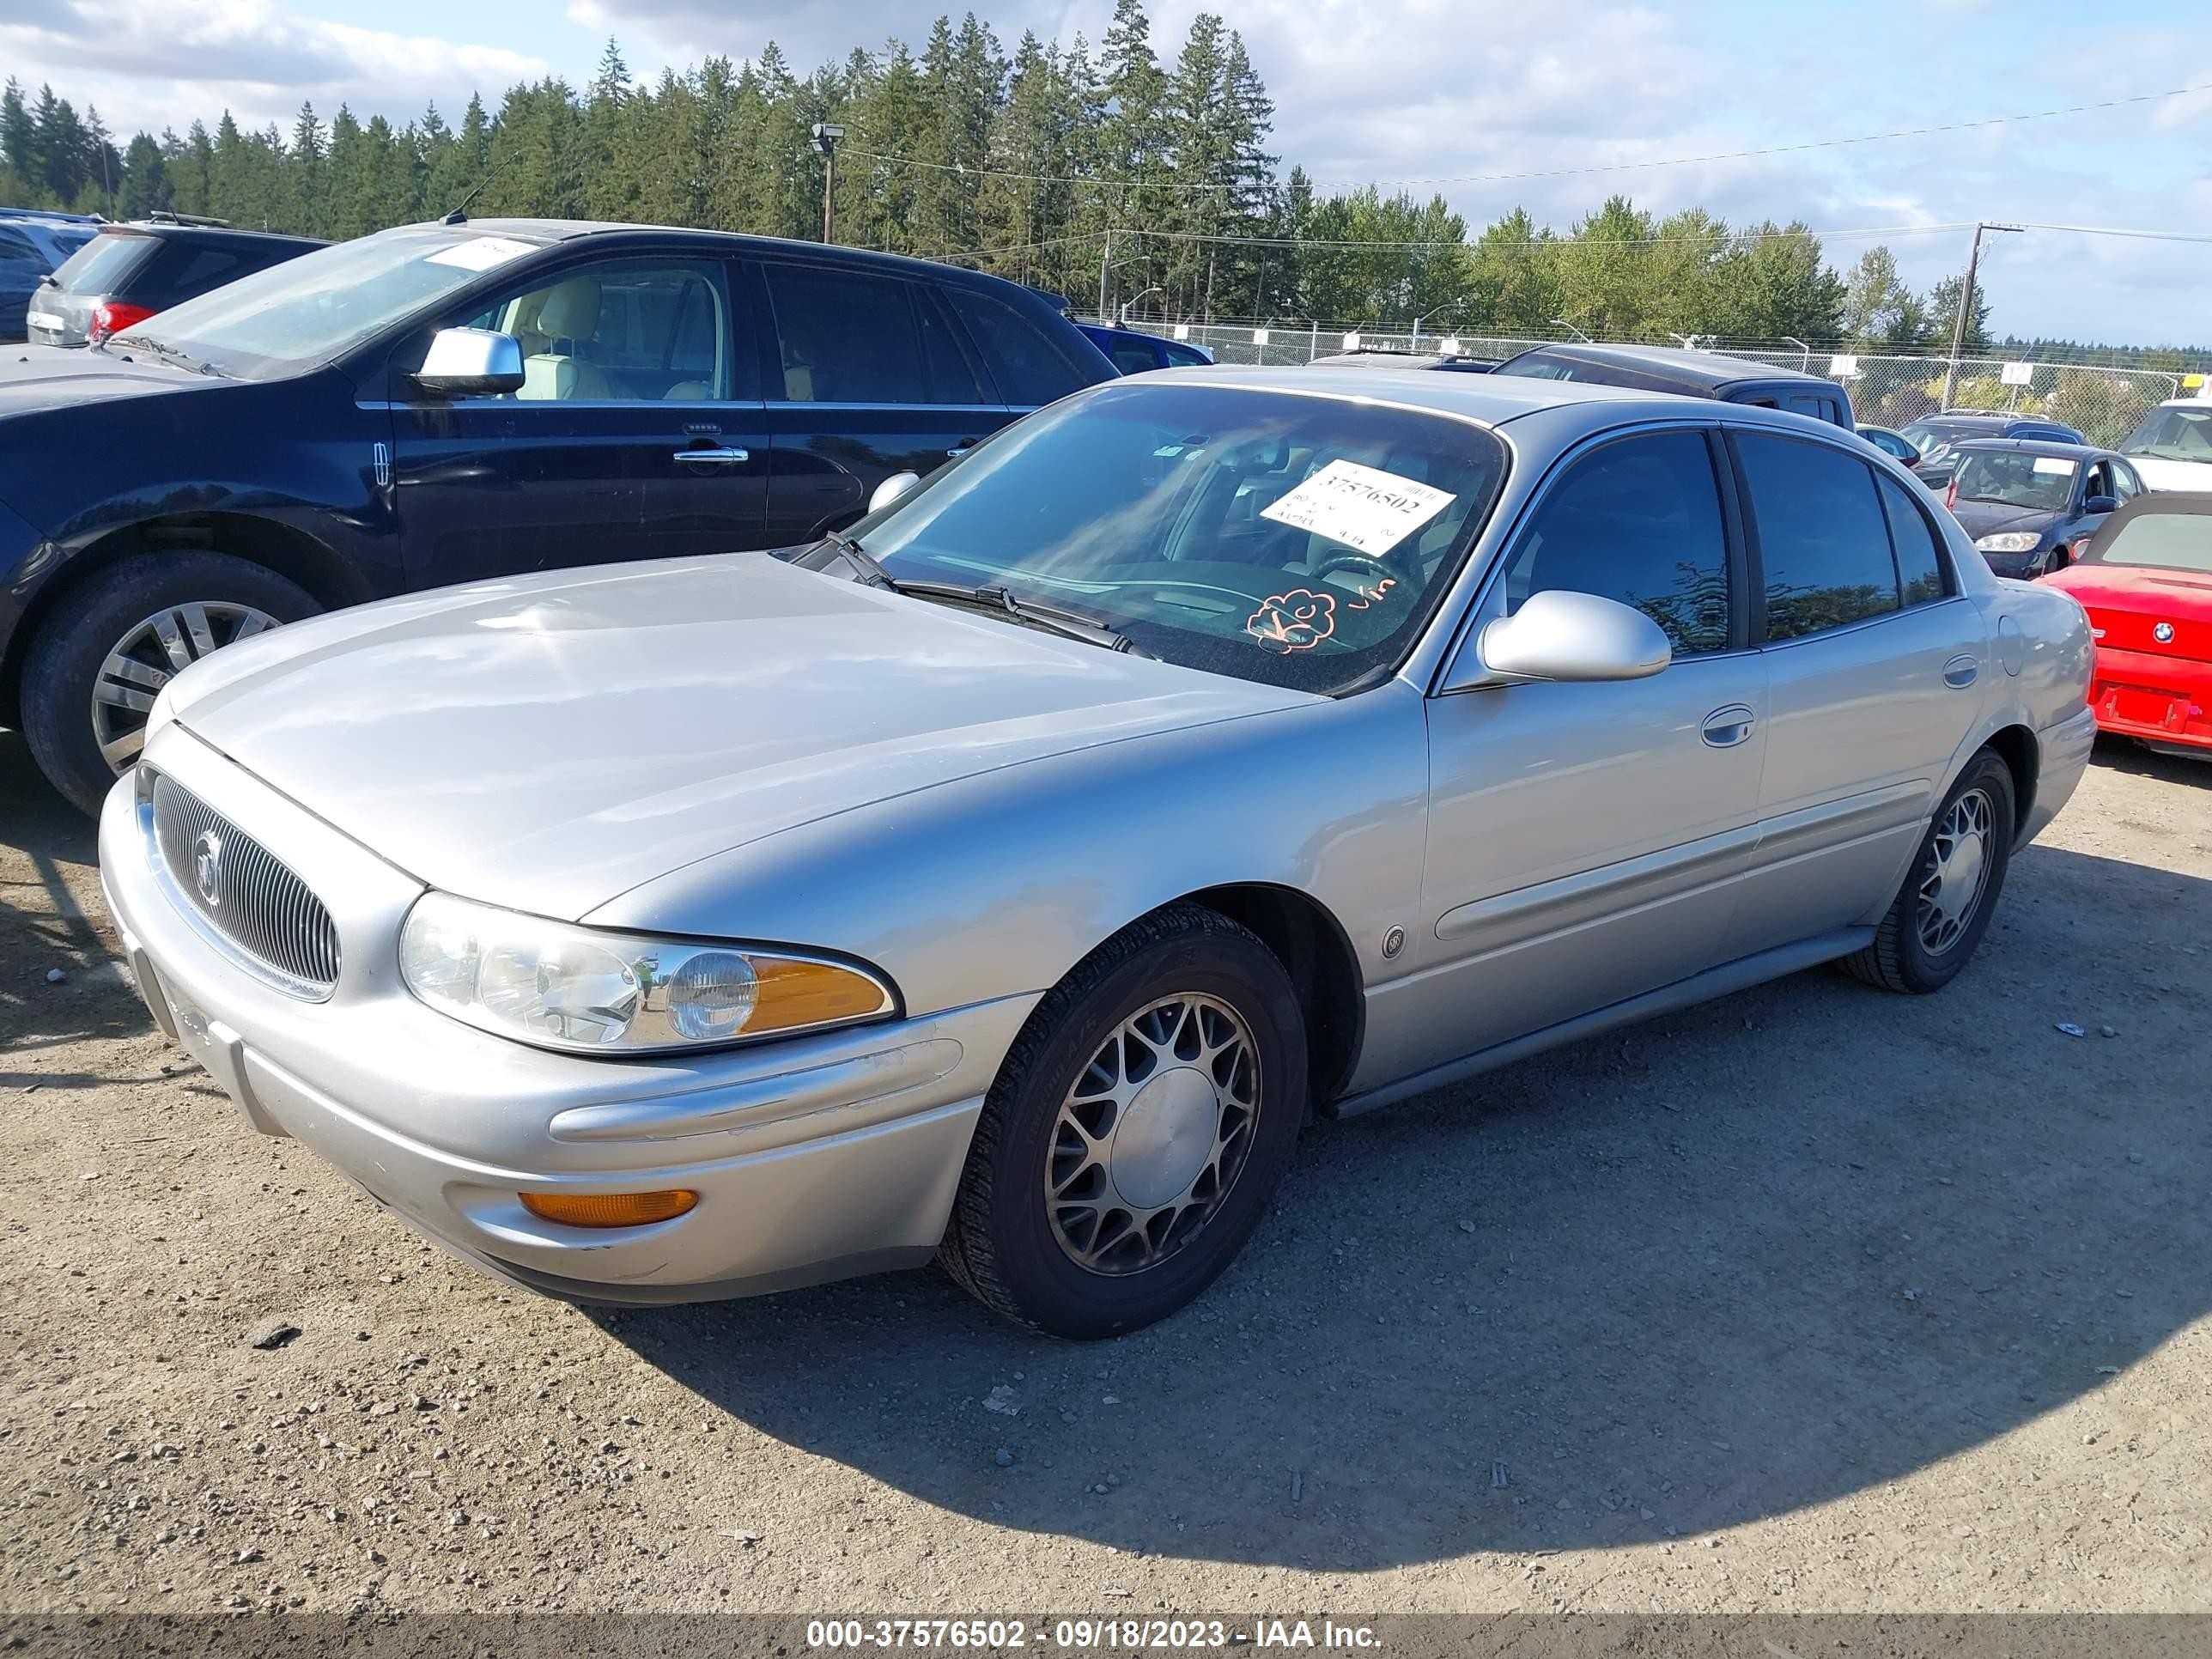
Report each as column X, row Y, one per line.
column 2146, row 581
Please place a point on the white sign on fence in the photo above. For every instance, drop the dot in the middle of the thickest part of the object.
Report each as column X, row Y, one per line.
column 1259, row 337
column 1352, row 341
column 1842, row 366
column 2017, row 373
column 1183, row 330
column 1450, row 345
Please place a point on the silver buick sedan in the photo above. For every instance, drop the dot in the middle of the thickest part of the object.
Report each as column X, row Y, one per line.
column 1007, row 878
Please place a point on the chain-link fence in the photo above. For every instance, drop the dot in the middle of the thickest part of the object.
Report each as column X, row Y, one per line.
column 2104, row 404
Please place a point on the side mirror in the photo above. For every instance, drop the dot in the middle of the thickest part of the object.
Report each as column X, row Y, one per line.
column 471, row 362
column 1560, row 635
column 892, row 488
column 2101, row 504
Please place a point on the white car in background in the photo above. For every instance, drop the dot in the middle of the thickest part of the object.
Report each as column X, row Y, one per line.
column 2171, row 447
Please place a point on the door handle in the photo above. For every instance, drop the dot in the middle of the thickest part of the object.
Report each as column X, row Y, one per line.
column 960, row 449
column 713, row 457
column 1726, row 727
column 1959, row 672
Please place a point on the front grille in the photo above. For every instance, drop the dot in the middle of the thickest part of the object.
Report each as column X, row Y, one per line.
column 245, row 894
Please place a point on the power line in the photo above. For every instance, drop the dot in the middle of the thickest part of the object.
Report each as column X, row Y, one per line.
column 1544, row 241
column 965, row 171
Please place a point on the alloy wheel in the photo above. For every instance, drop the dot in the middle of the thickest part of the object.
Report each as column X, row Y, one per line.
column 1152, row 1134
column 149, row 655
column 1956, row 874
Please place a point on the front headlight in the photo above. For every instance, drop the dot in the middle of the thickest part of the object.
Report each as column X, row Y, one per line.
column 2010, row 541
column 586, row 991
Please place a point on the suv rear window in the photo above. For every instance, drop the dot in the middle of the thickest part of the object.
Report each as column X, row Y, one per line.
column 1030, row 367
column 103, row 264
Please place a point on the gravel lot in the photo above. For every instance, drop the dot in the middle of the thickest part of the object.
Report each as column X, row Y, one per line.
column 1817, row 1299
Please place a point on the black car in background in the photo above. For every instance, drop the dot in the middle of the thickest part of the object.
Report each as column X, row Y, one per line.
column 2028, row 504
column 1135, row 352
column 1688, row 374
column 453, row 402
column 128, row 272
column 1938, row 436
column 32, row 246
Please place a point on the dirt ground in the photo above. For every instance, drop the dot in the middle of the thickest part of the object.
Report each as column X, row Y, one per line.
column 1817, row 1299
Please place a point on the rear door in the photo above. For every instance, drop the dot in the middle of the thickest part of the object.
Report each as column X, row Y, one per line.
column 630, row 438
column 1874, row 676
column 866, row 375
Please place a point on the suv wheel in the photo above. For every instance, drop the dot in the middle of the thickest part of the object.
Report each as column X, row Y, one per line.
column 103, row 656
column 1136, row 1131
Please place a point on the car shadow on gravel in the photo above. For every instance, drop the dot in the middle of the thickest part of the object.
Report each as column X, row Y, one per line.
column 1757, row 1257
column 43, row 929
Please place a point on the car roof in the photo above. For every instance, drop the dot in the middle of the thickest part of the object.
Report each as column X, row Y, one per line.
column 2033, row 446
column 1703, row 368
column 1487, row 399
column 548, row 232
column 1383, row 357
column 163, row 229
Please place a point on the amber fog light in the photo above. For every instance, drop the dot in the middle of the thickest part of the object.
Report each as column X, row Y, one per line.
column 609, row 1209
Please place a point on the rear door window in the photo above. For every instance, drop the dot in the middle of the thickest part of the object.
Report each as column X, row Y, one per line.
column 1822, row 539
column 1030, row 367
column 855, row 336
column 1919, row 566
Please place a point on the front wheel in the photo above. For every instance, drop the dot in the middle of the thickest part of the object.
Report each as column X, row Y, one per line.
column 99, row 661
column 1944, row 909
column 1136, row 1131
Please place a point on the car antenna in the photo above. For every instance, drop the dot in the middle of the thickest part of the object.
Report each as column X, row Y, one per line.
column 459, row 215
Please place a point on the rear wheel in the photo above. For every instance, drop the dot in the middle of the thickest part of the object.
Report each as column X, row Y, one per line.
column 103, row 656
column 1944, row 909
column 1134, row 1135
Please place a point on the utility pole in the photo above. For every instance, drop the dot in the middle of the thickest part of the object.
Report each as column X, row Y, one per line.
column 1965, row 306
column 826, row 135
column 1104, row 254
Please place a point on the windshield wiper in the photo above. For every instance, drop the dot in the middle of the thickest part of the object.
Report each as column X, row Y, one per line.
column 163, row 348
column 1053, row 618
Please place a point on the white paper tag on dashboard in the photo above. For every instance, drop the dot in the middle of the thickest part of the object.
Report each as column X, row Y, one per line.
column 1363, row 506
column 2057, row 464
column 480, row 253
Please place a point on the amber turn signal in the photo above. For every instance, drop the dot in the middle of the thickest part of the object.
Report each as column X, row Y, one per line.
column 609, row 1209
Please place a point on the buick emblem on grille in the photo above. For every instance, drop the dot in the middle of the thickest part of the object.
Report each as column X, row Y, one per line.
column 207, row 866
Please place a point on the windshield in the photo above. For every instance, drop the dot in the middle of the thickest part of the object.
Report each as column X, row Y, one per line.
column 1295, row 539
column 2172, row 435
column 101, row 262
column 311, row 309
column 2014, row 478
column 1937, row 439
column 2160, row 541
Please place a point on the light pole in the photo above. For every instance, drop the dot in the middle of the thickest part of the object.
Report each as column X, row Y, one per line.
column 1687, row 342
column 826, row 135
column 1438, row 311
column 1965, row 304
column 1804, row 352
column 1121, row 317
column 1572, row 330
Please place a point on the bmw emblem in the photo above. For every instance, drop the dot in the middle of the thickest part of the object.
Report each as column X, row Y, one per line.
column 207, row 866
column 2163, row 633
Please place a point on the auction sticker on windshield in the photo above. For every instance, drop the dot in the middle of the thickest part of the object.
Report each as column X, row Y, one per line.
column 2055, row 464
column 1363, row 506
column 480, row 253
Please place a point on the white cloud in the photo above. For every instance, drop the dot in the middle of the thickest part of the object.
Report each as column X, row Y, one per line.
column 154, row 66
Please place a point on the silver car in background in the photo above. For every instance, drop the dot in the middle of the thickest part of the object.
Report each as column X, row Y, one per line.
column 1010, row 879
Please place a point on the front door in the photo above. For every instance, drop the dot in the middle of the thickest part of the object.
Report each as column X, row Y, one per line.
column 866, row 376
column 1584, row 839
column 631, row 436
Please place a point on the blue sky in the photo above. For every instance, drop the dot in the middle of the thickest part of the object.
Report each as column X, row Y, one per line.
column 1394, row 90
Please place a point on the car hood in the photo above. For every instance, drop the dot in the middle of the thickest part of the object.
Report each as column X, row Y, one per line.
column 40, row 377
column 1988, row 517
column 550, row 741
column 2173, row 475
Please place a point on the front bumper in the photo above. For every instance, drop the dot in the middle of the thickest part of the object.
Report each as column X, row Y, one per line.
column 814, row 1157
column 2165, row 700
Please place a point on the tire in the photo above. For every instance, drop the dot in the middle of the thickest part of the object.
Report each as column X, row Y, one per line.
column 1190, row 979
column 204, row 600
column 1917, row 952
